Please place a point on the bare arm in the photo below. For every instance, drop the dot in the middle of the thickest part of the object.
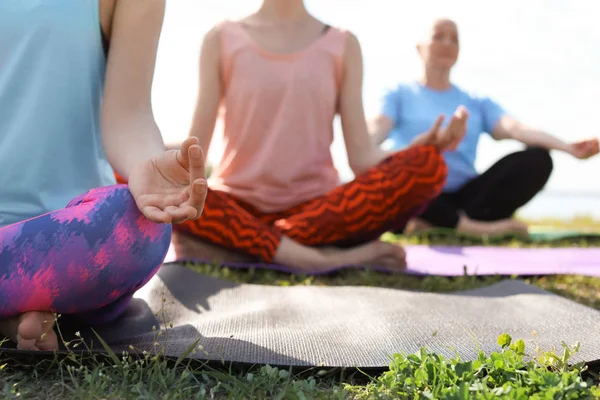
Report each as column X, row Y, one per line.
column 209, row 95
column 362, row 152
column 129, row 132
column 445, row 139
column 509, row 128
column 379, row 129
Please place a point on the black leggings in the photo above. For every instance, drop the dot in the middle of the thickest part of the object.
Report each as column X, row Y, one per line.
column 497, row 193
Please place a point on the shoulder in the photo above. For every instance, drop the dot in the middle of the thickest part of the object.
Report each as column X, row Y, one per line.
column 483, row 103
column 213, row 35
column 139, row 21
column 344, row 47
column 473, row 95
column 351, row 43
column 143, row 9
column 401, row 89
column 340, row 42
column 217, row 39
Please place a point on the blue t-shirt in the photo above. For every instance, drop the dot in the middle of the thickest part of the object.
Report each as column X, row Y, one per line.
column 413, row 108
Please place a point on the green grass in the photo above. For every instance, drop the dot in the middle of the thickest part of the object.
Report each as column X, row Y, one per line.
column 512, row 372
column 509, row 373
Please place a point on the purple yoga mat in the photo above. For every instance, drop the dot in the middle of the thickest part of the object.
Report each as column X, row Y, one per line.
column 475, row 260
column 452, row 261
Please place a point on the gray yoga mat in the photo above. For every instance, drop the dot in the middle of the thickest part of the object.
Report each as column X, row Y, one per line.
column 341, row 326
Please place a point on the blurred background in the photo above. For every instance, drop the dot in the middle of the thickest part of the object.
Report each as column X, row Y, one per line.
column 538, row 58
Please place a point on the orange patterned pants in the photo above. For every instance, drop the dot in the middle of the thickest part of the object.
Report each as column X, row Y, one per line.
column 383, row 198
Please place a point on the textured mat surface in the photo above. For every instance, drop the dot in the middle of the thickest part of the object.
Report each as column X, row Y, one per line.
column 341, row 326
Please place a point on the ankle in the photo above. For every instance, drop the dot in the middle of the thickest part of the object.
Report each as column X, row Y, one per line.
column 474, row 227
column 303, row 257
column 416, row 225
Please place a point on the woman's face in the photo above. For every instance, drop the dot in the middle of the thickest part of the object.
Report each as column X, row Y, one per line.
column 440, row 47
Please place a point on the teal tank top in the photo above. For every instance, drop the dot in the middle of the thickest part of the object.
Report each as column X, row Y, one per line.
column 52, row 67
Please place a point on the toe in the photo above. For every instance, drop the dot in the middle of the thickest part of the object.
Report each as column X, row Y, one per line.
column 49, row 341
column 25, row 344
column 30, row 325
column 35, row 331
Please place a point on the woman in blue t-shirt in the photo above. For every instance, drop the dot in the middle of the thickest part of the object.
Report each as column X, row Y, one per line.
column 72, row 242
column 471, row 203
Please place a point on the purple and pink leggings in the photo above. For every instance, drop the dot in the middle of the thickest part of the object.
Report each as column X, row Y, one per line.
column 86, row 260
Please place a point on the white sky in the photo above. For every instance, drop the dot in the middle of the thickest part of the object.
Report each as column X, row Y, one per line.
column 538, row 58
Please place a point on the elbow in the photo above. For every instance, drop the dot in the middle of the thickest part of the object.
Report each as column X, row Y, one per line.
column 361, row 166
column 378, row 133
column 509, row 128
column 373, row 131
column 356, row 164
column 377, row 139
column 357, row 169
column 366, row 159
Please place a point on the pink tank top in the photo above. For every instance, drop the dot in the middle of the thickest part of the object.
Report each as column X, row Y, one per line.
column 278, row 119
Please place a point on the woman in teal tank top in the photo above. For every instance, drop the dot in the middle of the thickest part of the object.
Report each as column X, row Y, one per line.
column 75, row 85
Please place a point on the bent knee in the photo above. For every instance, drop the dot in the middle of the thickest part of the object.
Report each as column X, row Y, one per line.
column 536, row 164
column 539, row 161
column 119, row 195
column 152, row 241
column 144, row 254
column 145, row 242
column 427, row 165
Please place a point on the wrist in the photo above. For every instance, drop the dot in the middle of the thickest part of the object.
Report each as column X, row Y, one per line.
column 126, row 158
column 140, row 164
column 419, row 139
column 566, row 148
column 128, row 169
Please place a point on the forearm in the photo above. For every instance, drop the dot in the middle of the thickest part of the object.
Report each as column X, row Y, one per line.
column 363, row 151
column 378, row 132
column 205, row 117
column 368, row 160
column 419, row 140
column 537, row 138
column 131, row 140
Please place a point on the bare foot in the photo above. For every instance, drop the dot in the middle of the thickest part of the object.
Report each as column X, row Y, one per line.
column 374, row 254
column 417, row 225
column 511, row 226
column 31, row 331
column 492, row 228
column 189, row 248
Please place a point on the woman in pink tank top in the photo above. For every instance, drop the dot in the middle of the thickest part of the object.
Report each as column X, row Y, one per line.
column 280, row 77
